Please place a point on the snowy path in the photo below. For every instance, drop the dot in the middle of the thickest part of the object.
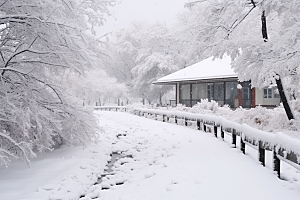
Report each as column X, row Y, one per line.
column 175, row 162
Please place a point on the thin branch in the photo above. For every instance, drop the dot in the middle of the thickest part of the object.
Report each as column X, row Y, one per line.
column 41, row 62
column 240, row 21
column 4, row 3
column 43, row 82
column 20, row 52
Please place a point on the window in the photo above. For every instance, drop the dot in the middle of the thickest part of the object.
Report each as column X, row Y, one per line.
column 267, row 93
column 276, row 93
column 210, row 91
column 219, row 91
column 231, row 93
column 246, row 93
column 199, row 91
column 185, row 91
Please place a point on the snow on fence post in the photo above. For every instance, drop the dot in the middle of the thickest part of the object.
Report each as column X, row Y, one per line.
column 262, row 153
column 276, row 162
column 216, row 130
column 234, row 137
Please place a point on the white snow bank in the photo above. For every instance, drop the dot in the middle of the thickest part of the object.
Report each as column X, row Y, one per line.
column 65, row 173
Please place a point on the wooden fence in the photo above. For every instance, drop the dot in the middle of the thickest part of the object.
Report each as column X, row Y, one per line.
column 284, row 148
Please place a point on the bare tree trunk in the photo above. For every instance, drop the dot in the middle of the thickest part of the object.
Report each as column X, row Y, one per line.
column 284, row 100
column 282, row 94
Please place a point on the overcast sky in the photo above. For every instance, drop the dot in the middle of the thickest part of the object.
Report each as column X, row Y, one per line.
column 142, row 10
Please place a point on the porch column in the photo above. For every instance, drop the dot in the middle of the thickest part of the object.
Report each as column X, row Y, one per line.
column 253, row 98
column 177, row 93
column 240, row 96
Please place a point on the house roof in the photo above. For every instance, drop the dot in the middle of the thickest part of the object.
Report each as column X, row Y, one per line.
column 207, row 69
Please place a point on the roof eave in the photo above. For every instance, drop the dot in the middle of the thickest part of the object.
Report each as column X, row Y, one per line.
column 199, row 80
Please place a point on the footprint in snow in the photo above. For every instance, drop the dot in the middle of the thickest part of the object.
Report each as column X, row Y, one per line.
column 149, row 174
column 169, row 188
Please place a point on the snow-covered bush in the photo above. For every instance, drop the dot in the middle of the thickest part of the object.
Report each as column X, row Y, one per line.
column 205, row 104
column 266, row 119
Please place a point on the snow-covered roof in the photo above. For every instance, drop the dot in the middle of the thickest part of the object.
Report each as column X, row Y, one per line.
column 207, row 69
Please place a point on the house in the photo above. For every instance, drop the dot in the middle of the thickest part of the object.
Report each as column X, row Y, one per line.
column 215, row 80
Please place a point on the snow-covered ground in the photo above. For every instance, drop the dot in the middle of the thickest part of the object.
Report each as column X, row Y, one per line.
column 162, row 161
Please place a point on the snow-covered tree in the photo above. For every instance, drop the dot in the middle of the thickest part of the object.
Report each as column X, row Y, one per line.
column 146, row 52
column 39, row 41
column 94, row 87
column 261, row 37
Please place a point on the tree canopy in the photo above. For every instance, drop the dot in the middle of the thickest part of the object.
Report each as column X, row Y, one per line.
column 39, row 41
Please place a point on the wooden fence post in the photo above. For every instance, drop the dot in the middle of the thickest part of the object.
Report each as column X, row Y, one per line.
column 222, row 133
column 198, row 124
column 276, row 163
column 261, row 152
column 185, row 122
column 234, row 137
column 175, row 119
column 168, row 119
column 216, row 131
column 243, row 145
column 164, row 118
column 204, row 127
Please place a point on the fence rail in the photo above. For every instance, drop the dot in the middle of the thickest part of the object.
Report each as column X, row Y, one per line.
column 284, row 148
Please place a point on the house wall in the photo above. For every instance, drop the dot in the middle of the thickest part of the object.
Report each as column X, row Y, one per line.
column 263, row 101
column 259, row 97
column 193, row 93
